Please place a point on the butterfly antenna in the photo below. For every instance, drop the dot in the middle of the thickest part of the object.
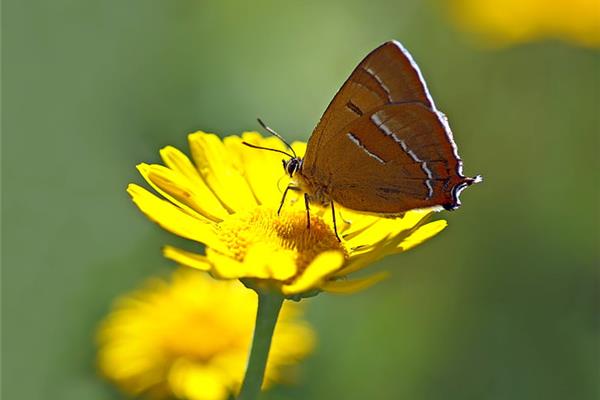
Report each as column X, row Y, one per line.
column 268, row 148
column 277, row 135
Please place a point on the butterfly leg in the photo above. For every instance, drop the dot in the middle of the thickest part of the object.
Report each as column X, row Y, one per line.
column 334, row 223
column 290, row 187
column 307, row 205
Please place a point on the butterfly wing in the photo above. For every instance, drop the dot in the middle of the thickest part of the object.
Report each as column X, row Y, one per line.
column 381, row 146
column 387, row 75
column 392, row 160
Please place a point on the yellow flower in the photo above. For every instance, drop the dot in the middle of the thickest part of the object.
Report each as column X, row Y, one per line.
column 189, row 338
column 516, row 21
column 228, row 199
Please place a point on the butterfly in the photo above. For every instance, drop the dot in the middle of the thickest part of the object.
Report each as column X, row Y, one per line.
column 381, row 146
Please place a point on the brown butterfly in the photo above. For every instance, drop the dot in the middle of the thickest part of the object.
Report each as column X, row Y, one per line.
column 381, row 146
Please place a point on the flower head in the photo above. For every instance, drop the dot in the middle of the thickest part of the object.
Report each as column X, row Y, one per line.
column 228, row 198
column 516, row 21
column 189, row 338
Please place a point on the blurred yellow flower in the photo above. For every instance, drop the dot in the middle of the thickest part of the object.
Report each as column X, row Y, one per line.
column 513, row 21
column 189, row 338
column 228, row 200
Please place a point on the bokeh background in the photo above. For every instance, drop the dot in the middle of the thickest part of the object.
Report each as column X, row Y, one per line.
column 501, row 305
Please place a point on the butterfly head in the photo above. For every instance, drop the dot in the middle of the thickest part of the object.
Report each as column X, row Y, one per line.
column 292, row 165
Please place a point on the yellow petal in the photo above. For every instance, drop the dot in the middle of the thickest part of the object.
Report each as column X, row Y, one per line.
column 180, row 191
column 187, row 258
column 388, row 227
column 299, row 148
column 402, row 241
column 269, row 264
column 225, row 267
column 361, row 261
column 177, row 161
column 319, row 269
column 180, row 163
column 353, row 224
column 172, row 218
column 261, row 168
column 343, row 286
column 422, row 234
column 215, row 167
column 194, row 381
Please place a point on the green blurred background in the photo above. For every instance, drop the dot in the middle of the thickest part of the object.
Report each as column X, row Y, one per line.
column 502, row 305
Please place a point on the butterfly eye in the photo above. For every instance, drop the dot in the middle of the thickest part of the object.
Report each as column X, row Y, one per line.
column 291, row 166
column 288, row 166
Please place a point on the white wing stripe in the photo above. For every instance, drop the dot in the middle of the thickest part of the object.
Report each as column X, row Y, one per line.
column 383, row 128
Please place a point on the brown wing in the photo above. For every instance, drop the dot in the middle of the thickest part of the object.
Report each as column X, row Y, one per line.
column 387, row 75
column 381, row 145
column 394, row 159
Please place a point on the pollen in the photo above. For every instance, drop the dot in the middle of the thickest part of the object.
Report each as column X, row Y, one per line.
column 288, row 232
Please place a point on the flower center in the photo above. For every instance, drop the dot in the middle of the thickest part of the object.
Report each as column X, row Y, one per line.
column 287, row 232
column 200, row 334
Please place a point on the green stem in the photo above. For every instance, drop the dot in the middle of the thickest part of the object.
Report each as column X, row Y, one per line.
column 269, row 304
